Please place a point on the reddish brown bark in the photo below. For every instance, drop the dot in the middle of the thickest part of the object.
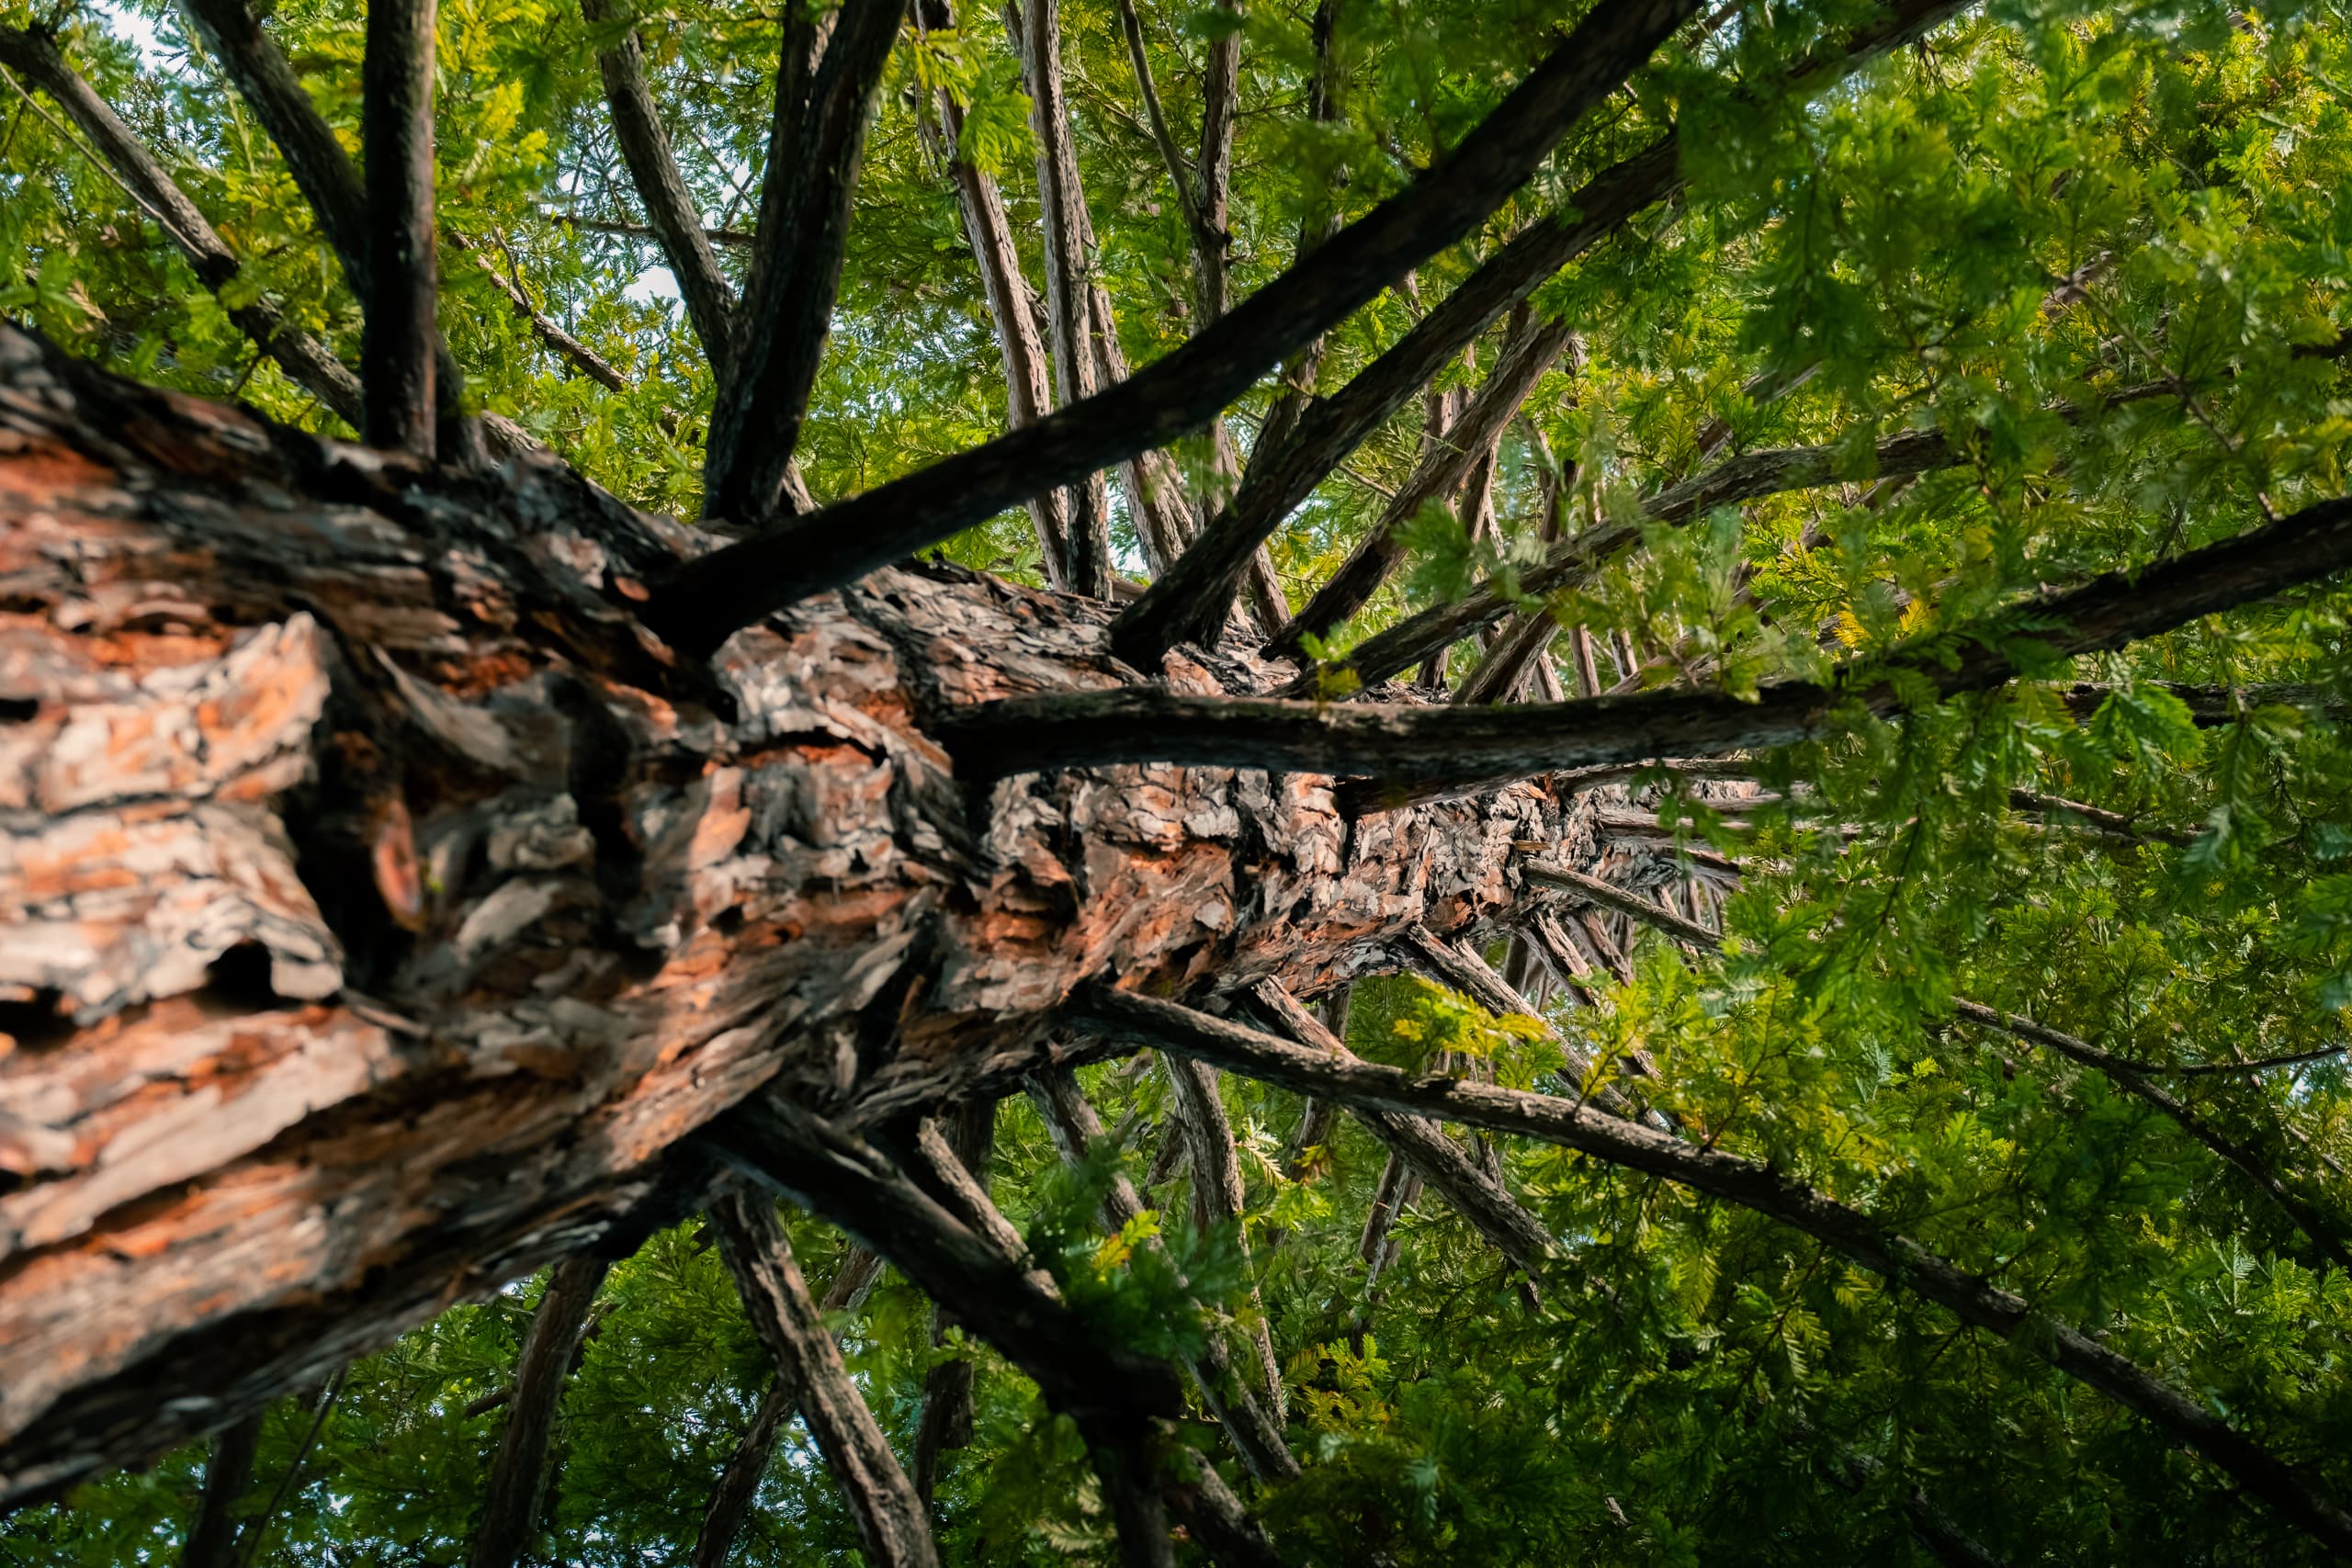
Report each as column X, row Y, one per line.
column 384, row 908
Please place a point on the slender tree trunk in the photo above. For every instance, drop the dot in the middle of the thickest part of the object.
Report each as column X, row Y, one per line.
column 228, row 1476
column 510, row 1513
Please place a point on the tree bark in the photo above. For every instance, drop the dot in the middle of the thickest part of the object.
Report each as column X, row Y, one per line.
column 948, row 1387
column 510, row 1511
column 891, row 1525
column 477, row 906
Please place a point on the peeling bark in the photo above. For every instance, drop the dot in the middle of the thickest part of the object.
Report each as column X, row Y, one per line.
column 352, row 795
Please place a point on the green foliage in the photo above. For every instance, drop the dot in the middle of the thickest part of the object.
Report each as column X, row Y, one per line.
column 1698, row 1385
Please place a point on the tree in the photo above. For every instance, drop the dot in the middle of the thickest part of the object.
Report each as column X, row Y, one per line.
column 1496, row 783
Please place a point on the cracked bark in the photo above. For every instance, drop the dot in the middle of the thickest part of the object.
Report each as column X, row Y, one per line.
column 440, row 831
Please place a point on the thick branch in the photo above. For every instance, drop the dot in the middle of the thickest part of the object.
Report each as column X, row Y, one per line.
column 1220, row 102
column 1188, row 603
column 303, row 358
column 891, row 1525
column 1103, row 1388
column 397, row 339
column 963, row 1151
column 815, row 144
column 2186, row 1420
column 705, row 602
column 510, row 1511
column 670, row 210
column 1409, row 753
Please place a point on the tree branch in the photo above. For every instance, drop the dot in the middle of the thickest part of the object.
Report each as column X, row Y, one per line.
column 306, row 360
column 1514, row 1231
column 1858, row 1237
column 398, row 334
column 1404, row 754
column 1069, row 289
column 1525, row 360
column 510, row 1510
column 1220, row 102
column 669, row 211
column 322, row 171
column 1028, row 390
column 569, row 349
column 1217, row 1194
column 891, row 1527
column 1076, row 1130
column 1188, row 602
column 228, row 1476
column 2325, row 1231
column 708, row 600
column 739, row 1484
column 948, row 1388
column 823, row 100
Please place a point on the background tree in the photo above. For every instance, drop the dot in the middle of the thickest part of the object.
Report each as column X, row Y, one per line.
column 1456, row 782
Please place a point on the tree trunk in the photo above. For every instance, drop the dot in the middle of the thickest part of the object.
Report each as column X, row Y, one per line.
column 354, row 797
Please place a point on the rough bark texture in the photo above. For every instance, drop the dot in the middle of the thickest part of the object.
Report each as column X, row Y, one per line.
column 352, row 796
